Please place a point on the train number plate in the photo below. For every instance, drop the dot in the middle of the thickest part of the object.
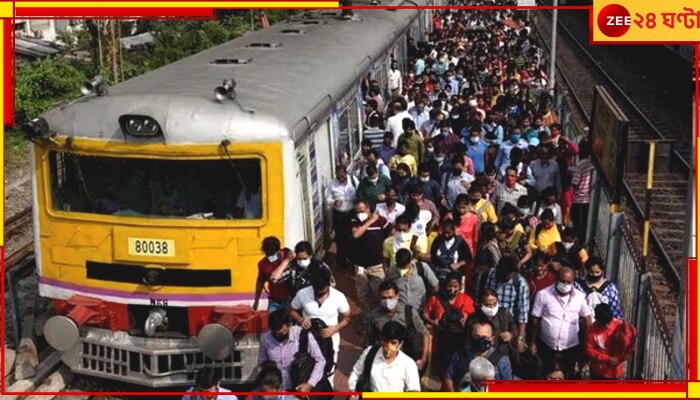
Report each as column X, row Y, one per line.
column 151, row 247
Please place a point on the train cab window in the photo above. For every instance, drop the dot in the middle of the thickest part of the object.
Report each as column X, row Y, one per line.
column 192, row 189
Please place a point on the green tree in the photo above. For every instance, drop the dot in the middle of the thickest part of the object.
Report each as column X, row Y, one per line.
column 41, row 84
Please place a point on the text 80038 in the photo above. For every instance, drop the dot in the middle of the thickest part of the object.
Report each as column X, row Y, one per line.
column 151, row 247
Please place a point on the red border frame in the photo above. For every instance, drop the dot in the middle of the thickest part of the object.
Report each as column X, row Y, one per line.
column 209, row 13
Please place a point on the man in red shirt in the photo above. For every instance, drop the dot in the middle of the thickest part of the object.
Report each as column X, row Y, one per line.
column 605, row 356
column 541, row 276
column 275, row 259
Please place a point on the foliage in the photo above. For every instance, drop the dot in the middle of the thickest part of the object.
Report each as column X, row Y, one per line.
column 41, row 84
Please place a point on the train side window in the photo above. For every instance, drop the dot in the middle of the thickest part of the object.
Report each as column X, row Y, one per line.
column 343, row 151
column 157, row 188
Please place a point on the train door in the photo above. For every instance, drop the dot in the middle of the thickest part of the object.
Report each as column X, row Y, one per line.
column 303, row 178
column 323, row 161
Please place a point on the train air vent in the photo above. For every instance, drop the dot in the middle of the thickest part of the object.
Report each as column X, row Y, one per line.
column 231, row 61
column 312, row 22
column 265, row 45
column 298, row 32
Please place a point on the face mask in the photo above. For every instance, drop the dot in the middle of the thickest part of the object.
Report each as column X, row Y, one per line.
column 304, row 263
column 568, row 245
column 594, row 278
column 402, row 237
column 431, row 149
column 281, row 338
column 374, row 180
column 514, row 139
column 555, row 134
column 362, row 216
column 524, row 211
column 490, row 311
column 474, row 139
column 424, row 179
column 389, row 304
column 439, row 159
column 564, row 288
column 481, row 344
column 272, row 258
column 457, row 171
column 389, row 350
column 510, row 181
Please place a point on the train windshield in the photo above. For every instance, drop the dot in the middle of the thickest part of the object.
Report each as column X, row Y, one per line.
column 193, row 189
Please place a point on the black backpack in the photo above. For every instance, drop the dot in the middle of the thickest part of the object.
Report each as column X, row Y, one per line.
column 303, row 366
column 364, row 381
column 326, row 345
column 413, row 343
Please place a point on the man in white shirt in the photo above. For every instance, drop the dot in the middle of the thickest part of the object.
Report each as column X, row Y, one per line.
column 455, row 182
column 341, row 196
column 207, row 380
column 395, row 80
column 324, row 302
column 557, row 312
column 390, row 209
column 395, row 122
column 391, row 369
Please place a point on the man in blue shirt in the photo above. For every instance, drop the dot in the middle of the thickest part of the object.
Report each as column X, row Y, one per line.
column 480, row 345
column 476, row 149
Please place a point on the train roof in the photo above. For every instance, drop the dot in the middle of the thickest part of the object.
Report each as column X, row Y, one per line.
column 286, row 86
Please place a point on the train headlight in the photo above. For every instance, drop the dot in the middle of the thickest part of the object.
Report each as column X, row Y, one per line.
column 95, row 86
column 139, row 126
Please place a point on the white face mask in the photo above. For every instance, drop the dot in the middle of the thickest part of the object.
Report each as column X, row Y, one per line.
column 430, row 149
column 439, row 159
column 564, row 288
column 390, row 304
column 490, row 311
column 402, row 237
column 304, row 263
column 475, row 139
column 374, row 180
column 568, row 245
column 424, row 179
column 362, row 216
column 272, row 258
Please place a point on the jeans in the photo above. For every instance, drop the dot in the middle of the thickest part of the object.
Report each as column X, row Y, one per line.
column 273, row 306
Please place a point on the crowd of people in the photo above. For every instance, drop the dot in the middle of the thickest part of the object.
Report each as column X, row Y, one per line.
column 462, row 229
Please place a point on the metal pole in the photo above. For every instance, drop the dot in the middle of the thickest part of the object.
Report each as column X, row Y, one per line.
column 553, row 53
column 647, row 202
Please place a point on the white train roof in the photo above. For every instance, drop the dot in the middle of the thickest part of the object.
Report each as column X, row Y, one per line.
column 284, row 86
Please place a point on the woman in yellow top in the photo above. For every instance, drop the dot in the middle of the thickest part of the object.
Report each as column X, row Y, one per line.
column 480, row 206
column 546, row 234
column 403, row 157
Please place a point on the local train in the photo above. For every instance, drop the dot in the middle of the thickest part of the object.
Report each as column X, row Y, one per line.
column 151, row 197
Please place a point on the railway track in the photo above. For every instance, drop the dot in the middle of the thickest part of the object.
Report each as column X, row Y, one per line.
column 577, row 73
column 22, row 247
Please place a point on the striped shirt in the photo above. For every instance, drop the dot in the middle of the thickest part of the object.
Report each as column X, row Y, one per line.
column 283, row 355
column 581, row 181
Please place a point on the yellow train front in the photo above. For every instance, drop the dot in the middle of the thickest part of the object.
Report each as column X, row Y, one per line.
column 152, row 197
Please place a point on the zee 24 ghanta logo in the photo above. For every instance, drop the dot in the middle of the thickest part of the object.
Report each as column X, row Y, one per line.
column 614, row 20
